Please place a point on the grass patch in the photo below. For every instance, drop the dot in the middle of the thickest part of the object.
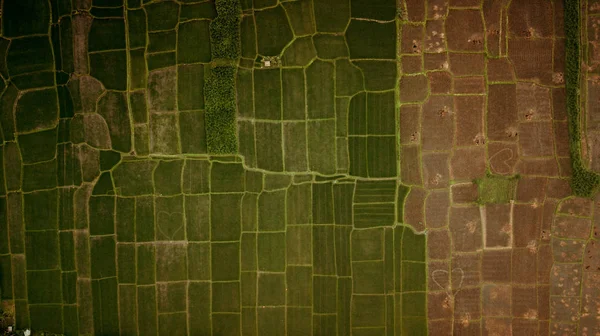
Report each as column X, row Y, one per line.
column 495, row 189
column 225, row 30
column 219, row 90
column 584, row 182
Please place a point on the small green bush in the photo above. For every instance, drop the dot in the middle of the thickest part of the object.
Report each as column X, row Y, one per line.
column 220, row 121
column 584, row 182
column 225, row 30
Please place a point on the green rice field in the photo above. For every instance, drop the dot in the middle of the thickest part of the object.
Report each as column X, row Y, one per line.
column 299, row 167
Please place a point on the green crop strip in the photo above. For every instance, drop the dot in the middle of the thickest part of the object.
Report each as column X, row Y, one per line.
column 584, row 182
column 219, row 87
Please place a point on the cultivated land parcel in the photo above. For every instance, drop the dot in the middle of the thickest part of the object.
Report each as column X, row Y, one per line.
column 300, row 167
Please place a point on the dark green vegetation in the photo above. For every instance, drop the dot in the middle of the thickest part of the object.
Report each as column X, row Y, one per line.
column 36, row 13
column 314, row 90
column 221, row 130
column 310, row 71
column 225, row 30
column 362, row 45
column 273, row 31
column 115, row 218
column 214, row 224
column 584, row 182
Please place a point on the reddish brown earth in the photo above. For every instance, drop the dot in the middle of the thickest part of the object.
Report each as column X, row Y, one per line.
column 496, row 104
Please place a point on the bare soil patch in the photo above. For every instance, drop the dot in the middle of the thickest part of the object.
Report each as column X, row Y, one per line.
column 531, row 189
column 436, row 172
column 410, row 165
column 503, row 157
column 526, row 225
column 500, row 70
column 467, row 64
column 413, row 208
column 502, row 112
column 464, row 29
column 464, row 193
column 437, row 126
column 495, row 266
column 437, row 206
column 469, row 85
column 409, row 124
column 533, row 102
column 532, row 59
column 498, row 229
column 467, row 163
column 469, row 120
column 440, row 82
column 465, row 226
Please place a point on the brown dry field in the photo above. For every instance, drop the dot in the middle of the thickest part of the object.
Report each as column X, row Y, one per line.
column 495, row 100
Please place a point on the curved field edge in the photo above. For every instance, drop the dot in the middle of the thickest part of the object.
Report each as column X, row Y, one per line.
column 584, row 182
column 220, row 124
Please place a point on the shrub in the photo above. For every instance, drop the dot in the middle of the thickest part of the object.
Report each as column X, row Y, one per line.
column 225, row 30
column 584, row 182
column 220, row 121
column 219, row 87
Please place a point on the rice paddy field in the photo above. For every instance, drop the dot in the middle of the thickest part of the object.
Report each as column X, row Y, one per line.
column 300, row 167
